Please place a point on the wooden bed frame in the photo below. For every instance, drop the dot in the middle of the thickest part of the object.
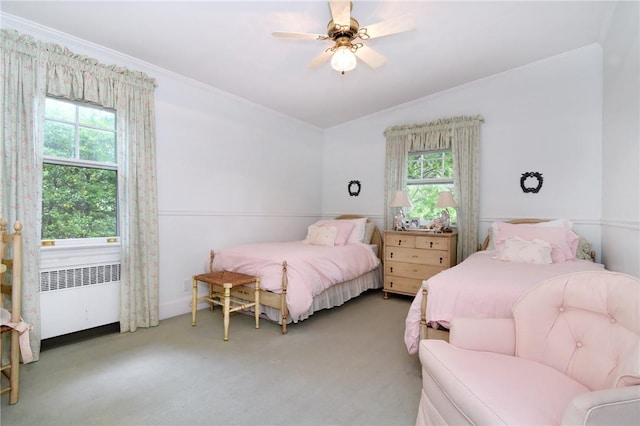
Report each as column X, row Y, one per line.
column 278, row 301
column 427, row 332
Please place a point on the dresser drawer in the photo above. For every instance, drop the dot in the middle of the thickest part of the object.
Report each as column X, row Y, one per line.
column 402, row 285
column 410, row 255
column 432, row 243
column 411, row 270
column 400, row 240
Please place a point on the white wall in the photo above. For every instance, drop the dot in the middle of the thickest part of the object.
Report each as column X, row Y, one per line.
column 228, row 172
column 544, row 117
column 621, row 138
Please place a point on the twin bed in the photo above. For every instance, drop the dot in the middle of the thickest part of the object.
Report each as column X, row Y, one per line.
column 338, row 260
column 488, row 282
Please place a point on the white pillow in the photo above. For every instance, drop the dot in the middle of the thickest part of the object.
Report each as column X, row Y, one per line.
column 357, row 235
column 515, row 249
column 322, row 235
column 368, row 232
column 558, row 223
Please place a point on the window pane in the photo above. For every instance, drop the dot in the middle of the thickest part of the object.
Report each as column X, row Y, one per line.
column 97, row 118
column 78, row 202
column 424, row 198
column 430, row 165
column 59, row 140
column 97, row 145
column 60, row 110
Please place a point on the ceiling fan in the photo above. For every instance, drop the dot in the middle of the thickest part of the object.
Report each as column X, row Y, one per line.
column 347, row 36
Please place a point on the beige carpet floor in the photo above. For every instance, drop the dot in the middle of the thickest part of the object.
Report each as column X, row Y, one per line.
column 344, row 366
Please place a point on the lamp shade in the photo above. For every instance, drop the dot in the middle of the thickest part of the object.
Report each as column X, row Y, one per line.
column 400, row 199
column 445, row 200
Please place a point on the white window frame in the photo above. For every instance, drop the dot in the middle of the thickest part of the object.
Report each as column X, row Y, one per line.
column 91, row 249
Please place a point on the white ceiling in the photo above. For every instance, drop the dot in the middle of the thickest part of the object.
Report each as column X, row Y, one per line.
column 228, row 45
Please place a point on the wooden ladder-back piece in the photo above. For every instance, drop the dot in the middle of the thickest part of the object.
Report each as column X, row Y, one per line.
column 11, row 289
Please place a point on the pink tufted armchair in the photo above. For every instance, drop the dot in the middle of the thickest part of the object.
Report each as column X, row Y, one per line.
column 569, row 355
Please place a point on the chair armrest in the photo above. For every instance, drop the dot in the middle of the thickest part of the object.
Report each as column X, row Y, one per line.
column 484, row 334
column 619, row 406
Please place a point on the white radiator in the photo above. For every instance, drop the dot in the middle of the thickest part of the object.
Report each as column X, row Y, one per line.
column 78, row 298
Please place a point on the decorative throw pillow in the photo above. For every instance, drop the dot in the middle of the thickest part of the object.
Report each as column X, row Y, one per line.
column 557, row 223
column 322, row 235
column 344, row 228
column 517, row 250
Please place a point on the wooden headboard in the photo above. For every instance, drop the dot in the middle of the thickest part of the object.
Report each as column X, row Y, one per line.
column 376, row 238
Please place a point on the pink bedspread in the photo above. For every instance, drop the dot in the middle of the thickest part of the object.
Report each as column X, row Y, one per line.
column 311, row 269
column 480, row 287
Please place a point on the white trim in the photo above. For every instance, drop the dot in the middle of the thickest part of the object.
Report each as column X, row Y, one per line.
column 625, row 224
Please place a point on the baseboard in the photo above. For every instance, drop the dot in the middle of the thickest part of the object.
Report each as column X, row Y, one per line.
column 65, row 339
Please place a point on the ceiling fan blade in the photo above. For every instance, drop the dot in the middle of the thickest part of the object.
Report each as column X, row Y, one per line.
column 320, row 59
column 370, row 57
column 341, row 12
column 391, row 26
column 300, row 35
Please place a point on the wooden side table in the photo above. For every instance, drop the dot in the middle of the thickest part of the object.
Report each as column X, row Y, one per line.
column 220, row 285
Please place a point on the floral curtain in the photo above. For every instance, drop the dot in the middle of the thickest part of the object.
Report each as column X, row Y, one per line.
column 462, row 136
column 31, row 71
column 23, row 76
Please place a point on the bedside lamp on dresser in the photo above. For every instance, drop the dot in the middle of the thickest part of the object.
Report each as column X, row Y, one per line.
column 400, row 200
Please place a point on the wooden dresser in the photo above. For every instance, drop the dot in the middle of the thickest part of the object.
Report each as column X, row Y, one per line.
column 413, row 256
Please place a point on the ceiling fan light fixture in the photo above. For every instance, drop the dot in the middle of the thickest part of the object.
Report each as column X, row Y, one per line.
column 343, row 59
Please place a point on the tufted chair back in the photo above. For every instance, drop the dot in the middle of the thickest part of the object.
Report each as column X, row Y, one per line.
column 586, row 325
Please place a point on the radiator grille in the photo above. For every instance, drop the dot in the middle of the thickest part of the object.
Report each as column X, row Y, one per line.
column 79, row 277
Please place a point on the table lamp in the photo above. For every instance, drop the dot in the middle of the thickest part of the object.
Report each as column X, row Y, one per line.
column 445, row 200
column 400, row 200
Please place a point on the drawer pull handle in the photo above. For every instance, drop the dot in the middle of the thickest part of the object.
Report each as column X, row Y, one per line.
column 391, row 270
column 430, row 244
column 415, row 256
column 399, row 242
column 391, row 255
column 440, row 260
column 390, row 283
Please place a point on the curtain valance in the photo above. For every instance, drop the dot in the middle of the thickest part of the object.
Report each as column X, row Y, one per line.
column 77, row 77
column 440, row 125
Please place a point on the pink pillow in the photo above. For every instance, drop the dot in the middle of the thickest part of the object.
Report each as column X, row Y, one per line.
column 564, row 242
column 344, row 228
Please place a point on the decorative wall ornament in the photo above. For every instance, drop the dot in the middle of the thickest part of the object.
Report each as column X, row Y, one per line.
column 354, row 188
column 530, row 177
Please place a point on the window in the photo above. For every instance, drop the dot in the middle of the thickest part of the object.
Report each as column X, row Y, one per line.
column 80, row 172
column 429, row 173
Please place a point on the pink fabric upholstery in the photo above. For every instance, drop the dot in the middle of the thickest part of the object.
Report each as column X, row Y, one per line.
column 498, row 389
column 571, row 354
column 583, row 325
